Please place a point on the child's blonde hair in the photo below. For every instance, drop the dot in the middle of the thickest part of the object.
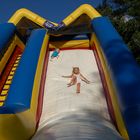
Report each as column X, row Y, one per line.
column 75, row 68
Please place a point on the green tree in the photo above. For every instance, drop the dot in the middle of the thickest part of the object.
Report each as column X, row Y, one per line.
column 129, row 29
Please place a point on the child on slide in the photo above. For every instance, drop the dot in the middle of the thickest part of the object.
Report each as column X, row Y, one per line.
column 76, row 78
column 55, row 54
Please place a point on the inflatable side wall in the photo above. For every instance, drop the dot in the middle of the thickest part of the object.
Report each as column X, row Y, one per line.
column 18, row 115
column 124, row 72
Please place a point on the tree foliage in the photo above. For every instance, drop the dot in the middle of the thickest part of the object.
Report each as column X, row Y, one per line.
column 126, row 19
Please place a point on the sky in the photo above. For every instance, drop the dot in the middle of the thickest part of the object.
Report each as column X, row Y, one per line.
column 53, row 10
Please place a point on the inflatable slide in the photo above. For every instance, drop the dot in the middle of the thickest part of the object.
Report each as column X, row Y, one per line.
column 76, row 80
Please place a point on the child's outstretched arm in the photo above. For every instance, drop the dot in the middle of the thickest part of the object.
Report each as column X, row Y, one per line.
column 85, row 79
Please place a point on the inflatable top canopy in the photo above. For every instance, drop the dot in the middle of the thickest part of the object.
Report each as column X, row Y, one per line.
column 25, row 43
column 77, row 22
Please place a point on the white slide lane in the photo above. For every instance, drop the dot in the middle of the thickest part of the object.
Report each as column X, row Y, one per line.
column 67, row 115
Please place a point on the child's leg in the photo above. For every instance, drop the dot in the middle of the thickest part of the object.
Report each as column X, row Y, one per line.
column 57, row 56
column 52, row 58
column 78, row 88
column 72, row 82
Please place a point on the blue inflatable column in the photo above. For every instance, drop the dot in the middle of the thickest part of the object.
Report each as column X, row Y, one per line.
column 125, row 74
column 20, row 93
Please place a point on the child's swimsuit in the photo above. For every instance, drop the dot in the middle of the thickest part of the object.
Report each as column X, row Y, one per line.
column 55, row 54
column 78, row 78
